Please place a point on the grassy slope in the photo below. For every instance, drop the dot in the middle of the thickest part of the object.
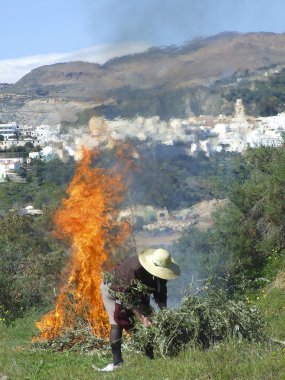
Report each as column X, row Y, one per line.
column 228, row 360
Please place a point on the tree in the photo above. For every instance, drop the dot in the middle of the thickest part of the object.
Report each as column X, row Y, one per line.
column 30, row 264
column 248, row 228
column 268, row 106
column 252, row 224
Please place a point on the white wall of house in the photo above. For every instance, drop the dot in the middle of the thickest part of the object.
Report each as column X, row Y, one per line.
column 9, row 167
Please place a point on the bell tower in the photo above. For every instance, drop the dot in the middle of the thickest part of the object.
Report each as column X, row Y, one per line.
column 239, row 110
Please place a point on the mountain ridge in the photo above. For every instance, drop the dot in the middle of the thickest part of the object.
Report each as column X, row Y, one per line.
column 160, row 75
column 197, row 62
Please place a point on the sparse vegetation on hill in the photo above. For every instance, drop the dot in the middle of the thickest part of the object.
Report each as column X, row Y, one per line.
column 261, row 97
column 45, row 185
column 163, row 176
column 166, row 176
column 176, row 81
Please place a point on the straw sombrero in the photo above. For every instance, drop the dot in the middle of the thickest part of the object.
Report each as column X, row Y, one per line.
column 159, row 263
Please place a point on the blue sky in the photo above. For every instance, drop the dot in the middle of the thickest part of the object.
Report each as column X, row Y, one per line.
column 36, row 32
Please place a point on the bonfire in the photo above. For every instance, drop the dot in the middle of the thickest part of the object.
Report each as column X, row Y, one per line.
column 88, row 220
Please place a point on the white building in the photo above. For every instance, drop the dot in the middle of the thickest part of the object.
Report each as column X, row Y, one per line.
column 28, row 131
column 46, row 132
column 30, row 210
column 9, row 167
column 35, row 155
column 47, row 153
column 7, row 144
column 9, row 130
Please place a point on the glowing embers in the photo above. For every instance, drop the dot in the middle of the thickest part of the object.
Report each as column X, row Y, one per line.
column 88, row 220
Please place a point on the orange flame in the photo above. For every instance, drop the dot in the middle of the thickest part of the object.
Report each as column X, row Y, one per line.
column 88, row 219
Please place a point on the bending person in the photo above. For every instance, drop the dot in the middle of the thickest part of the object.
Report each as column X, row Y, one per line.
column 152, row 267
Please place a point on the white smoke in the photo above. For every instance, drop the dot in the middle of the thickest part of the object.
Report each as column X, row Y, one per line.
column 166, row 132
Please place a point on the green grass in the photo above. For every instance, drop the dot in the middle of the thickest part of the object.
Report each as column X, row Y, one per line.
column 228, row 360
column 275, row 314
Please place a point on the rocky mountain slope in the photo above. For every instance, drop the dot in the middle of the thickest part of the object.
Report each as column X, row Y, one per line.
column 168, row 81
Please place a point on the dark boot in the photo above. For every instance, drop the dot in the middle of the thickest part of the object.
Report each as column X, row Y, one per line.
column 116, row 343
column 149, row 351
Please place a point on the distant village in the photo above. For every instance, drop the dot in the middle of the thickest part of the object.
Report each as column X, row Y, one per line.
column 198, row 133
column 206, row 133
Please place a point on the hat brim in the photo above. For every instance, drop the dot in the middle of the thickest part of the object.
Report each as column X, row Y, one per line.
column 169, row 273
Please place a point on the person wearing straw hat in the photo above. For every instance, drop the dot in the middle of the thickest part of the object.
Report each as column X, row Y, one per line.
column 153, row 268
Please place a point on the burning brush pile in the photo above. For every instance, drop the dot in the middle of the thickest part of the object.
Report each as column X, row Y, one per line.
column 88, row 220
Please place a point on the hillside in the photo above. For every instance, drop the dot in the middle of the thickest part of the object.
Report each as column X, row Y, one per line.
column 168, row 81
column 199, row 62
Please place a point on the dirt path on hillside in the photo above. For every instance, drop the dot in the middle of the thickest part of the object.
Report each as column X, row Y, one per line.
column 145, row 239
column 202, row 210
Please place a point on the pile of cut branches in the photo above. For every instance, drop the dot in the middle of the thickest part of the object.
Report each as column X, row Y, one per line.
column 199, row 320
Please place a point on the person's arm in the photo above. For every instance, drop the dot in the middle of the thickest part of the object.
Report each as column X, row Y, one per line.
column 142, row 318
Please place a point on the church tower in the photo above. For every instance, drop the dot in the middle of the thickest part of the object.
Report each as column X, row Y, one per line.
column 239, row 110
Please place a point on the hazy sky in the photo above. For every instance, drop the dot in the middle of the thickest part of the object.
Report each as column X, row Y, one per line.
column 36, row 32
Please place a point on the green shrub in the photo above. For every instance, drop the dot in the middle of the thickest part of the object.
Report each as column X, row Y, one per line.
column 30, row 264
column 247, row 229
